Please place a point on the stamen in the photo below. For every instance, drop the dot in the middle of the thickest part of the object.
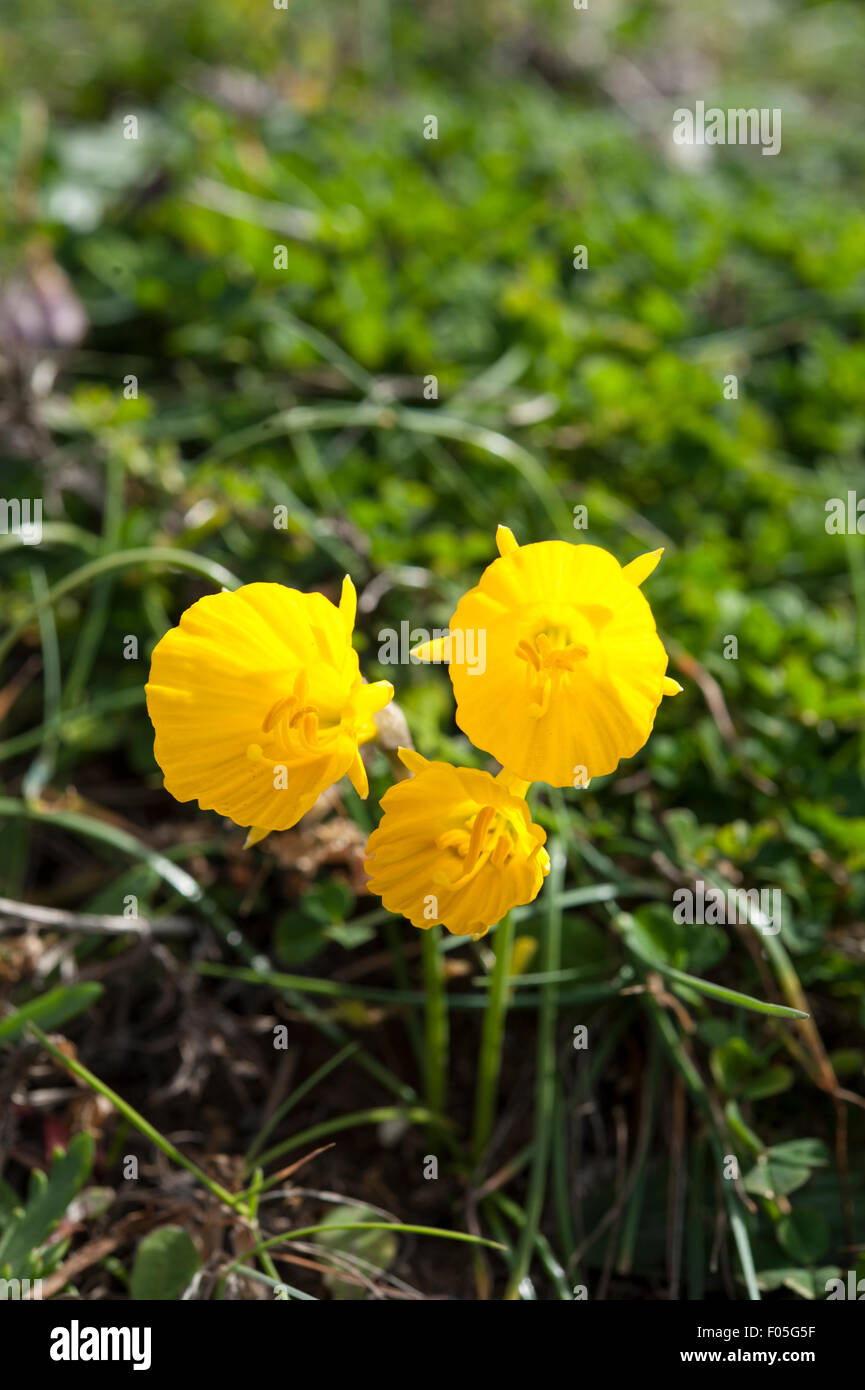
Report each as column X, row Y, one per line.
column 483, row 820
column 276, row 712
column 453, row 839
column 526, row 652
column 501, row 852
column 538, row 710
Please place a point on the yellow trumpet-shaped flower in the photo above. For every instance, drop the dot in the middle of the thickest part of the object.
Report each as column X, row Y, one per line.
column 455, row 846
column 258, row 703
column 573, row 669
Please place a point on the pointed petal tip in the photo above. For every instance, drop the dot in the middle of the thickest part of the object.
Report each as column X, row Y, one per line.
column 348, row 602
column 506, row 541
column 357, row 776
column 410, row 758
column 640, row 569
column 437, row 650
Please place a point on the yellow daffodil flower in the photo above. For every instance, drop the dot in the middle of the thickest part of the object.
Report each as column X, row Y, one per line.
column 455, row 846
column 258, row 703
column 573, row 670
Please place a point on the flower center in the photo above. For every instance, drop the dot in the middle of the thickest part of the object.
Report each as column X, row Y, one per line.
column 551, row 657
column 298, row 728
column 487, row 836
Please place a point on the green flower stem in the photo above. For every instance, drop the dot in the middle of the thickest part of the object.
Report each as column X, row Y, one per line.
column 436, row 1020
column 394, row 936
column 492, row 1037
column 78, row 1069
column 545, row 1084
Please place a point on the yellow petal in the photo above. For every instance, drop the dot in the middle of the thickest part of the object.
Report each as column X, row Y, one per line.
column 257, row 703
column 642, row 567
column 373, row 697
column 348, row 604
column 671, row 687
column 410, row 758
column 454, row 846
column 515, row 785
column 256, row 833
column 438, row 649
column 506, row 541
column 573, row 663
column 357, row 776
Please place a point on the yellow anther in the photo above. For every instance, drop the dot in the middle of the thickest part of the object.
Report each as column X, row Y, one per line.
column 276, row 712
column 539, row 708
column 483, row 821
column 501, row 852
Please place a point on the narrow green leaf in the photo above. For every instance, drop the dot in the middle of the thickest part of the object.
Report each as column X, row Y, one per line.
column 49, row 1010
column 728, row 996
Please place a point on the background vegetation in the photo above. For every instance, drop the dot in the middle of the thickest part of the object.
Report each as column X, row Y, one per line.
column 302, row 387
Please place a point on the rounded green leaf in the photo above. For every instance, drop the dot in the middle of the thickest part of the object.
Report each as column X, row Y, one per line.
column 165, row 1262
column 804, row 1235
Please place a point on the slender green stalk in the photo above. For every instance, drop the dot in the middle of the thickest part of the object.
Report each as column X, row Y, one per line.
column 544, row 1250
column 291, row 1101
column 54, row 726
column 545, row 1084
column 561, row 1186
column 746, row 1255
column 696, row 1246
column 435, row 423
column 125, row 559
column 694, row 1082
column 146, row 1128
column 395, row 940
column 304, row 1231
column 492, row 1037
column 436, row 1020
column 730, row 996
column 42, row 767
column 57, row 533
column 634, row 1207
column 253, row 1195
column 377, row 1115
column 93, row 627
column 372, row 994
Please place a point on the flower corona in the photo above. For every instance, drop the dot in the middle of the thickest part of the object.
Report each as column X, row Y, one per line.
column 258, row 703
column 455, row 846
column 575, row 670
